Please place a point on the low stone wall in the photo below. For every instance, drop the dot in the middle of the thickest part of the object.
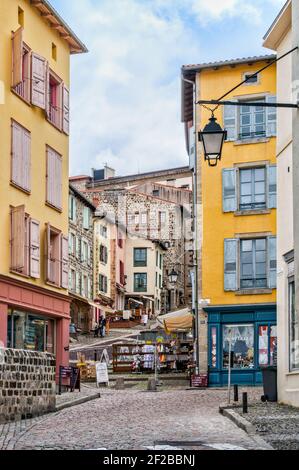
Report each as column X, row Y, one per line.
column 27, row 384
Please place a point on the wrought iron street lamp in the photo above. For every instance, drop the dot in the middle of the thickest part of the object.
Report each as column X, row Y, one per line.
column 212, row 138
column 173, row 277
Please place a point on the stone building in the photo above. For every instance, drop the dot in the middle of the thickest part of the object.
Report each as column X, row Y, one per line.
column 109, row 264
column 81, row 213
column 153, row 218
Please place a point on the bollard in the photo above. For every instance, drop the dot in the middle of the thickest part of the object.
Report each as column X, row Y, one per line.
column 152, row 385
column 120, row 383
column 244, row 402
column 95, row 355
column 236, row 393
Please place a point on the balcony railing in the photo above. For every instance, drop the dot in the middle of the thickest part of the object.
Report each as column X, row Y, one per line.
column 22, row 90
column 54, row 116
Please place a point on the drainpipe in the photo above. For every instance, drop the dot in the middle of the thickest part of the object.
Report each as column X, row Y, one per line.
column 195, row 231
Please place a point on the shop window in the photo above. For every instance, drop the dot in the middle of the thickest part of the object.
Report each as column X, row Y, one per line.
column 30, row 332
column 241, row 338
column 213, row 346
column 140, row 257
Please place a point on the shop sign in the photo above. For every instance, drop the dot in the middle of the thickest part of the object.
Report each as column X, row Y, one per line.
column 102, row 373
column 199, row 380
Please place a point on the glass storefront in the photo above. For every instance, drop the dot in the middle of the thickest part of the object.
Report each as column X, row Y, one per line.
column 242, row 346
column 29, row 331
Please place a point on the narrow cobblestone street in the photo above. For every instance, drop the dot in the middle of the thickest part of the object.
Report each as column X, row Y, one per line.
column 134, row 419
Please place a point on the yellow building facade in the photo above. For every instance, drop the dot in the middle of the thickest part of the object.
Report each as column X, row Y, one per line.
column 236, row 218
column 35, row 49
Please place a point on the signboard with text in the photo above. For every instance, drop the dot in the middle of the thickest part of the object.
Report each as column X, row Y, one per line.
column 102, row 373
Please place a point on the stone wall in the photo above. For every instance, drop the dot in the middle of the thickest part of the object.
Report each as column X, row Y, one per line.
column 27, row 384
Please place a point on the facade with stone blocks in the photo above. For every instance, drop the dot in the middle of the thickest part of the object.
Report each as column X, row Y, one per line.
column 81, row 253
column 27, row 384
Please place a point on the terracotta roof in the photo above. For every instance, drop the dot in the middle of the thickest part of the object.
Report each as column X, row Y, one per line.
column 79, row 177
column 48, row 12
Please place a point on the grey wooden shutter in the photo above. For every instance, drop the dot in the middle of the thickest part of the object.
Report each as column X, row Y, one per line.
column 231, row 246
column 272, row 186
column 229, row 190
column 272, row 271
column 230, row 119
column 270, row 117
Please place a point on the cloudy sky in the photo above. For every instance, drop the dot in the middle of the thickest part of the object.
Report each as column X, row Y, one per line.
column 126, row 90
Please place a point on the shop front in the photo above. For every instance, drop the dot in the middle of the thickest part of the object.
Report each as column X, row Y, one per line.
column 251, row 335
column 35, row 319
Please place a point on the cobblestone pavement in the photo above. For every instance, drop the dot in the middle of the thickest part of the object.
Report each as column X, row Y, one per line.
column 276, row 424
column 86, row 391
column 135, row 419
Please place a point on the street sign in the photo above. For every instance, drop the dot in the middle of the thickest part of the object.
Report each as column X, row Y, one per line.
column 102, row 373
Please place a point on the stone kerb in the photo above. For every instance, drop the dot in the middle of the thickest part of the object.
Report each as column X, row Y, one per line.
column 27, row 384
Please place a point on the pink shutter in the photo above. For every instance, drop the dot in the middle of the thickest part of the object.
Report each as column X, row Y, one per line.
column 16, row 154
column 38, row 80
column 54, row 178
column 64, row 262
column 48, row 265
column 18, row 238
column 17, row 57
column 58, row 181
column 47, row 90
column 26, row 160
column 34, row 249
column 66, row 111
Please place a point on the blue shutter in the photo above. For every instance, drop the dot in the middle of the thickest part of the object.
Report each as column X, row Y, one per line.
column 231, row 246
column 271, row 117
column 230, row 119
column 229, row 190
column 272, row 186
column 272, row 270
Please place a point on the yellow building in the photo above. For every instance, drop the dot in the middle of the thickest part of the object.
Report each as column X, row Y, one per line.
column 35, row 49
column 236, row 217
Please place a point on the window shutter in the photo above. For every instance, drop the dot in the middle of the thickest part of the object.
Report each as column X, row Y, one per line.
column 64, row 262
column 18, row 238
column 82, row 250
column 77, row 247
column 86, row 218
column 70, row 280
column 272, row 262
column 272, row 186
column 21, row 150
column 47, row 88
column 48, row 265
column 229, row 190
column 70, row 206
column 230, row 264
column 89, row 289
column 26, row 179
column 34, row 249
column 17, row 57
column 38, row 80
column 230, row 119
column 54, row 178
column 77, row 282
column 66, row 110
column 271, row 117
column 89, row 254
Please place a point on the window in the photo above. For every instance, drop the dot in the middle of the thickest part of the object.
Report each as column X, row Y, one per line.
column 140, row 257
column 213, row 346
column 72, row 208
column 143, row 218
column 120, row 241
column 21, row 63
column 161, row 261
column 252, row 121
column 160, row 281
column 72, row 280
column 21, row 17
column 84, row 289
column 252, row 80
column 130, row 218
column 121, row 273
column 294, row 327
column 249, row 188
column 103, row 254
column 86, row 218
column 252, row 188
column 55, row 101
column 156, row 283
column 140, row 282
column 84, row 251
column 103, row 283
column 156, row 192
column 25, row 243
column 54, row 178
column 162, row 219
column 54, row 51
column 136, row 218
column 250, row 263
column 267, row 345
column 57, row 257
column 30, row 332
column 157, row 258
column 21, row 157
column 103, row 231
column 72, row 244
column 253, row 264
column 241, row 338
